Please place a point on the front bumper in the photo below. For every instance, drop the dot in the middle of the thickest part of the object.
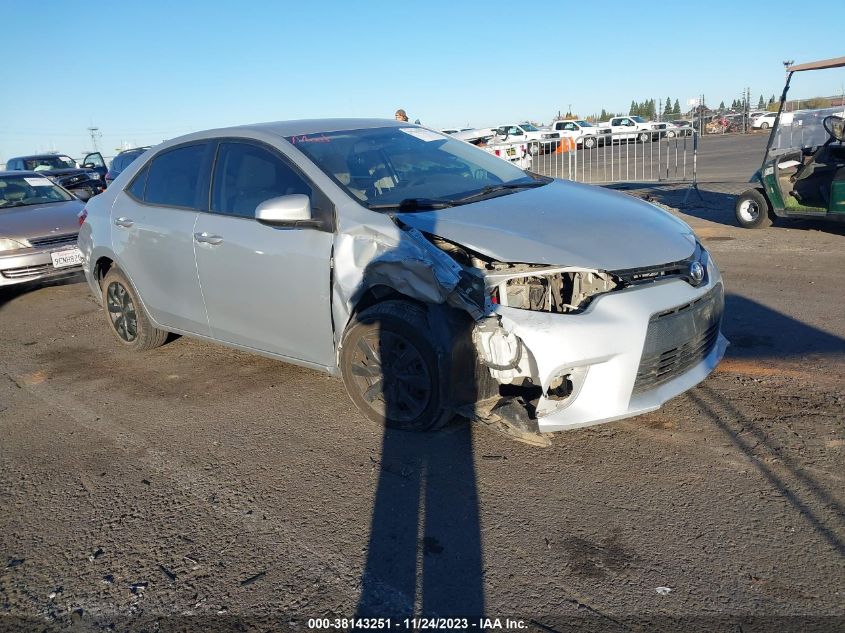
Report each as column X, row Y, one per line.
column 601, row 351
column 32, row 264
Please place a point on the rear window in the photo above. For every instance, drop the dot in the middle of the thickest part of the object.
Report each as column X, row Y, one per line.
column 174, row 177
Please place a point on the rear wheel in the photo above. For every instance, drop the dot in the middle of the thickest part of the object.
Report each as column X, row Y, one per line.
column 126, row 316
column 752, row 210
column 589, row 142
column 390, row 367
column 764, row 125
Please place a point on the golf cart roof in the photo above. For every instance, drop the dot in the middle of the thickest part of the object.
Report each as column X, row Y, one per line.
column 836, row 62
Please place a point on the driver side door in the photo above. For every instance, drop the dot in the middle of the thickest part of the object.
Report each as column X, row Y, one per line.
column 265, row 287
column 95, row 161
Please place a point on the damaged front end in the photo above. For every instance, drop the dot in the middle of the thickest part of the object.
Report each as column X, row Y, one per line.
column 546, row 354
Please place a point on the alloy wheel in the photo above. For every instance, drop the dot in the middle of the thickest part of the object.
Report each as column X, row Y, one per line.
column 391, row 375
column 122, row 313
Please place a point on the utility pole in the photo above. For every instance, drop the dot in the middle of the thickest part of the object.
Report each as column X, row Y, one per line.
column 786, row 64
column 95, row 134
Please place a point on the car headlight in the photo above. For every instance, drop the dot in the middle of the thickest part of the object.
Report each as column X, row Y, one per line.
column 7, row 244
column 93, row 175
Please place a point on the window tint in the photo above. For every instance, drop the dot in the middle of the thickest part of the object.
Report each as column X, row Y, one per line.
column 136, row 189
column 174, row 177
column 246, row 175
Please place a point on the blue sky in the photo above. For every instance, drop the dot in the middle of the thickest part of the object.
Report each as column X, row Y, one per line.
column 146, row 71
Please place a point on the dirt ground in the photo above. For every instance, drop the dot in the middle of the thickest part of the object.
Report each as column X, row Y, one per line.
column 199, row 488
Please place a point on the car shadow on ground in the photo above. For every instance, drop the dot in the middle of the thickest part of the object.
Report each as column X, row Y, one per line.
column 10, row 293
column 758, row 332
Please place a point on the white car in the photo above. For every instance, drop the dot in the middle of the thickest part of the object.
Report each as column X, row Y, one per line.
column 630, row 128
column 485, row 138
column 764, row 122
column 584, row 133
column 540, row 140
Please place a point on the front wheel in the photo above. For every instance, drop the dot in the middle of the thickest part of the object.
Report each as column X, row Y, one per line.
column 752, row 210
column 389, row 366
column 764, row 125
column 589, row 142
column 126, row 316
column 644, row 137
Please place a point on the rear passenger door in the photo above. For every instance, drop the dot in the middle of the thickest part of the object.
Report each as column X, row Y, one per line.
column 152, row 234
column 265, row 287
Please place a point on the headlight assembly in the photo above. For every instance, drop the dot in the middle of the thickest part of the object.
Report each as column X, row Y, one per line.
column 7, row 244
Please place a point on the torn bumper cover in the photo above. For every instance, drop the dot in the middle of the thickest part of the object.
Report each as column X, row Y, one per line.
column 629, row 352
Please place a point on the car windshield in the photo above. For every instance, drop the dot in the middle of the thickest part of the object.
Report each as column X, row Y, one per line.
column 528, row 127
column 21, row 191
column 410, row 168
column 45, row 163
column 638, row 119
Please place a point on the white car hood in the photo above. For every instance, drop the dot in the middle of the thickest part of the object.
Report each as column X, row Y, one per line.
column 563, row 224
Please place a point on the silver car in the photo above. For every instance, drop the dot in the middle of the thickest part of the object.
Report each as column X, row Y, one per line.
column 38, row 225
column 433, row 277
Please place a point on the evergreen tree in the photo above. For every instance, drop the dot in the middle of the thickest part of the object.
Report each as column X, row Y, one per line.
column 677, row 109
column 603, row 116
column 633, row 109
column 722, row 105
column 667, row 109
column 771, row 99
column 761, row 103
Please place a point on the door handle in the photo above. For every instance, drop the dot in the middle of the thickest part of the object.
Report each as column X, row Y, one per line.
column 124, row 222
column 207, row 238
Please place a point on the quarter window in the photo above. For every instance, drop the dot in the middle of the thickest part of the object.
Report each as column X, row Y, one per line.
column 245, row 175
column 136, row 189
column 174, row 177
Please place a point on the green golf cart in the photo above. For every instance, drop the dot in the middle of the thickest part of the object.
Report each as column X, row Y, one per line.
column 803, row 170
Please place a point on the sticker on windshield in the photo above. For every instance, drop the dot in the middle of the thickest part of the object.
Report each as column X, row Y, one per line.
column 38, row 182
column 422, row 133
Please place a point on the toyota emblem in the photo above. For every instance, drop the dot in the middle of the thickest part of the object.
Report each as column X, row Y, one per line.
column 696, row 272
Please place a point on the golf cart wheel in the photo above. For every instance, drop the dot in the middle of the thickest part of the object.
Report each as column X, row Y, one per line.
column 126, row 316
column 752, row 210
column 644, row 137
column 390, row 368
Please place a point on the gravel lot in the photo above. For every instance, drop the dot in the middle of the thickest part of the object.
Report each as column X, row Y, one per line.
column 196, row 487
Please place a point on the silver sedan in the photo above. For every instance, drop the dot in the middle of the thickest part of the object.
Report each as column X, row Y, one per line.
column 436, row 279
column 39, row 222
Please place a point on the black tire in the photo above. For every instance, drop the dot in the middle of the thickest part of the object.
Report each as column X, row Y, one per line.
column 752, row 210
column 126, row 316
column 589, row 142
column 764, row 125
column 412, row 399
column 643, row 137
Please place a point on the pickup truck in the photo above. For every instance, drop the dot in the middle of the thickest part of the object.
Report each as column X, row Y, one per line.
column 486, row 139
column 630, row 128
column 538, row 140
column 584, row 133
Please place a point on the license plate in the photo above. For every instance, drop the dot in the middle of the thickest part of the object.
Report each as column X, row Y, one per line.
column 511, row 151
column 63, row 259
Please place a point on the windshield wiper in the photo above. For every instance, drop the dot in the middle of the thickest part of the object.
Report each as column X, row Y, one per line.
column 413, row 204
column 513, row 186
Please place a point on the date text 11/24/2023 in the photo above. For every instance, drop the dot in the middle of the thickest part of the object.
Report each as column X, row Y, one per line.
column 417, row 624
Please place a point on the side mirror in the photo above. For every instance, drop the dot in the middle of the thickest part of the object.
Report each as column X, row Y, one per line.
column 82, row 194
column 290, row 211
column 89, row 165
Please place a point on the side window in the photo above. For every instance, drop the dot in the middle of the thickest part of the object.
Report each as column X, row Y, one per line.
column 174, row 177
column 245, row 175
column 136, row 189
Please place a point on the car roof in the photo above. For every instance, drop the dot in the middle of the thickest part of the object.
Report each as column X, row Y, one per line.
column 293, row 128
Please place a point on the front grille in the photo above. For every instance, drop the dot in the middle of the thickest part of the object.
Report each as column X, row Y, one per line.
column 54, row 240
column 653, row 273
column 678, row 339
column 27, row 271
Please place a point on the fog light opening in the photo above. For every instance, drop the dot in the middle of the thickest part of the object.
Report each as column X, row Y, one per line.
column 560, row 388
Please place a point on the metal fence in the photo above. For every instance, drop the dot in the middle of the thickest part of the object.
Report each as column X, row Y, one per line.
column 620, row 157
